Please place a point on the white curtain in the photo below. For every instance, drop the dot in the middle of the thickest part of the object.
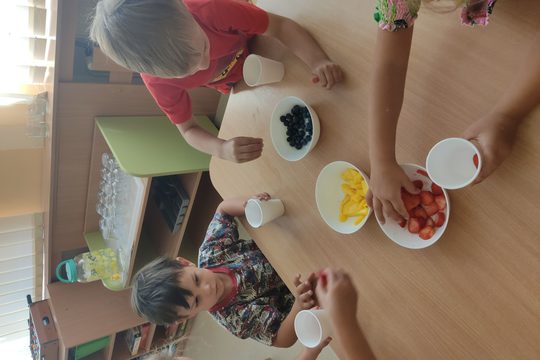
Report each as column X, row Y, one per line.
column 26, row 42
column 21, row 274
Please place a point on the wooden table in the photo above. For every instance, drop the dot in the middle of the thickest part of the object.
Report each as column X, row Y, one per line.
column 475, row 294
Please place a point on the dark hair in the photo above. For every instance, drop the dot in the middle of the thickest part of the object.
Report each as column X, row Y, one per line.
column 156, row 294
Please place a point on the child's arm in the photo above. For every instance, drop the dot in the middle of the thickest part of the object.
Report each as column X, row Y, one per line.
column 495, row 133
column 337, row 295
column 386, row 98
column 286, row 336
column 236, row 206
column 306, row 48
column 238, row 149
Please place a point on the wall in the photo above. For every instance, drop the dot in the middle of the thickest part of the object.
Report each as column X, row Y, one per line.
column 20, row 164
column 20, row 183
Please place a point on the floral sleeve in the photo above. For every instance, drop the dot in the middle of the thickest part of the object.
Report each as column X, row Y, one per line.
column 220, row 241
column 257, row 321
column 393, row 15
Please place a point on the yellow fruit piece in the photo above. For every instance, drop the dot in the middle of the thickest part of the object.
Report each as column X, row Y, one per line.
column 354, row 203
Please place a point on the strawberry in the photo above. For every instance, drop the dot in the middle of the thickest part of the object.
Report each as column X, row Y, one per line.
column 440, row 200
column 426, row 233
column 414, row 225
column 475, row 160
column 430, row 222
column 422, row 172
column 431, row 209
column 426, row 197
column 436, row 189
column 419, row 212
column 418, row 184
column 409, row 200
column 402, row 223
column 439, row 221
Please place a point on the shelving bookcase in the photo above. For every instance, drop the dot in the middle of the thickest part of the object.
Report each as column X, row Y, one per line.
column 146, row 147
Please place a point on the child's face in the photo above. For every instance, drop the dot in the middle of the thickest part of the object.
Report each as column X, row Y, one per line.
column 206, row 287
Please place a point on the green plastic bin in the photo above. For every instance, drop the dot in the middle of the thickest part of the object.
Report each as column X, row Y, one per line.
column 91, row 347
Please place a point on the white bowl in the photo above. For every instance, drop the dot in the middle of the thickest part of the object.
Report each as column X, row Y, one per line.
column 278, row 131
column 328, row 195
column 402, row 236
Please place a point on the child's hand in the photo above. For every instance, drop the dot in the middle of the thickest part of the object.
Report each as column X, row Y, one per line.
column 384, row 195
column 327, row 74
column 262, row 197
column 313, row 353
column 337, row 295
column 304, row 292
column 241, row 149
column 495, row 136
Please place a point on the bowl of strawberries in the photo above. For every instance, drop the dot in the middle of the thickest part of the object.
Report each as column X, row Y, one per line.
column 428, row 210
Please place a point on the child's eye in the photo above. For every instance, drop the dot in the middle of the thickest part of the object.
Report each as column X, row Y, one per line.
column 196, row 280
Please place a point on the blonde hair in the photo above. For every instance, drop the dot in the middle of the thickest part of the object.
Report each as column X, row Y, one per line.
column 148, row 36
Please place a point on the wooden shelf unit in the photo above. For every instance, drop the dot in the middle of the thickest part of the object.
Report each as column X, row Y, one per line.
column 85, row 312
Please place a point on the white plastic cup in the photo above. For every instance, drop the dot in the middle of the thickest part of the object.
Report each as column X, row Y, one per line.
column 260, row 212
column 451, row 163
column 259, row 70
column 312, row 327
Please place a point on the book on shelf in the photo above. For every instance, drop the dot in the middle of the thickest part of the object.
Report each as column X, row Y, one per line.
column 144, row 330
column 133, row 340
column 171, row 329
column 182, row 329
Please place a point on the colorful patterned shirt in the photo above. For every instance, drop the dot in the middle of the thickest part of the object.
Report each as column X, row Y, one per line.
column 261, row 300
column 400, row 14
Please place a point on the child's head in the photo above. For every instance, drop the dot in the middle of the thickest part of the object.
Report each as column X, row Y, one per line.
column 170, row 290
column 156, row 37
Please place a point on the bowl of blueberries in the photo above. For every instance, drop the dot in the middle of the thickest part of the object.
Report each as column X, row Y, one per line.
column 294, row 128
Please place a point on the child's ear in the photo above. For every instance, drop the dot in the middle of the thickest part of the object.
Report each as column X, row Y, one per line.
column 184, row 262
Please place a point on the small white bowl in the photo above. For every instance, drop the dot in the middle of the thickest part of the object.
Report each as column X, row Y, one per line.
column 278, row 131
column 328, row 195
column 402, row 236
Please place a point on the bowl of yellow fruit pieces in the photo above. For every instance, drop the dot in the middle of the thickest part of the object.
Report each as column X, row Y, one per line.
column 340, row 194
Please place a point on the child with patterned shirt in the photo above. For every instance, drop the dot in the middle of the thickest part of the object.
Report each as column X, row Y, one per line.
column 234, row 282
column 178, row 45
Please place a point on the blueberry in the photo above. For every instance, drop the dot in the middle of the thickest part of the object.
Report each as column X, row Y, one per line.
column 282, row 118
column 289, row 117
column 301, row 133
column 298, row 146
column 296, row 109
column 289, row 133
column 308, row 138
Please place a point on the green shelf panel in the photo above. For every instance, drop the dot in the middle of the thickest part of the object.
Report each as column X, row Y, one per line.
column 152, row 145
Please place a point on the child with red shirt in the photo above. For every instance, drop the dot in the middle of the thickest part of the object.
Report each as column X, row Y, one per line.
column 179, row 45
